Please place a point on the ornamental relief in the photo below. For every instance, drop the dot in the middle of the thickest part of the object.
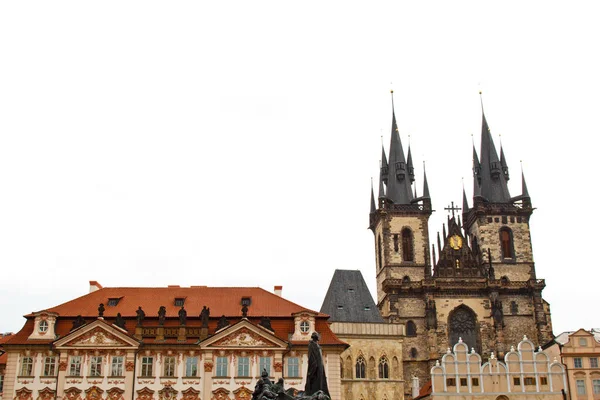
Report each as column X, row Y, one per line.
column 242, row 393
column 115, row 394
column 243, row 337
column 220, row 394
column 167, row 393
column 97, row 337
column 72, row 393
column 46, row 394
column 94, row 393
column 145, row 394
column 23, row 394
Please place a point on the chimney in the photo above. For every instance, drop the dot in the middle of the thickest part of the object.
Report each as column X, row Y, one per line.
column 94, row 285
column 415, row 387
column 277, row 290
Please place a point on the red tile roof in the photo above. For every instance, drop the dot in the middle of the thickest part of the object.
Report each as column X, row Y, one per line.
column 221, row 301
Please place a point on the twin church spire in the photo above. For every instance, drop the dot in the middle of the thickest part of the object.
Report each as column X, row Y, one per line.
column 397, row 173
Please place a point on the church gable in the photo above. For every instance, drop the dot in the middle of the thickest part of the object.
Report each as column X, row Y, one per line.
column 244, row 334
column 456, row 258
column 97, row 334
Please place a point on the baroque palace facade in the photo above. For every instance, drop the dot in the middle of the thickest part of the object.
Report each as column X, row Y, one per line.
column 197, row 343
column 478, row 283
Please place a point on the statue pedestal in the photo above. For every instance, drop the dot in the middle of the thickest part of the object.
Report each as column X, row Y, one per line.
column 138, row 332
column 181, row 334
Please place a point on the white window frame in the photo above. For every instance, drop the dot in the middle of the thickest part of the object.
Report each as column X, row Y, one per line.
column 293, row 367
column 75, row 366
column 169, row 366
column 593, row 362
column 49, row 366
column 147, row 367
column 596, row 386
column 580, row 385
column 577, row 362
column 243, row 366
column 26, row 366
column 116, row 366
column 191, row 367
column 264, row 363
column 43, row 326
column 95, row 366
column 222, row 363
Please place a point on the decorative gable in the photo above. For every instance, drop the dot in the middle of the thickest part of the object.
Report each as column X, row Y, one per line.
column 244, row 334
column 304, row 325
column 97, row 334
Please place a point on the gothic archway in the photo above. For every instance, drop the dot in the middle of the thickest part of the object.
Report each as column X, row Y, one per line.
column 462, row 323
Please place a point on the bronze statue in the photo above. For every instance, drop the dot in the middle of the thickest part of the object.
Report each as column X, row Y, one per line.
column 430, row 314
column 140, row 315
column 79, row 321
column 101, row 310
column 265, row 322
column 245, row 311
column 315, row 376
column 222, row 322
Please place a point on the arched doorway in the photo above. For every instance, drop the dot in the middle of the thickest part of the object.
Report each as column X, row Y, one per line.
column 462, row 323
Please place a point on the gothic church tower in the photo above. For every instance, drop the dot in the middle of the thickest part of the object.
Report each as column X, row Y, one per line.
column 480, row 284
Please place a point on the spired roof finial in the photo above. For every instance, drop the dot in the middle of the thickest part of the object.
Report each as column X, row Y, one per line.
column 373, row 209
column 425, row 184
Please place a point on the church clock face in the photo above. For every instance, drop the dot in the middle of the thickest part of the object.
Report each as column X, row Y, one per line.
column 456, row 242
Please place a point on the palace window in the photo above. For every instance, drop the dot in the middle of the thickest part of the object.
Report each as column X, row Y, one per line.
column 411, row 329
column 147, row 366
column 384, row 369
column 593, row 362
column 543, row 380
column 529, row 381
column 113, row 301
column 264, row 364
column 49, row 366
column 96, row 366
column 75, row 367
column 463, row 382
column 169, row 367
column 26, row 366
column 582, row 342
column 191, row 366
column 577, row 362
column 116, row 366
column 506, row 243
column 43, row 327
column 450, row 381
column 243, row 366
column 413, row 352
column 474, row 381
column 580, row 383
column 361, row 368
column 407, row 245
column 179, row 301
column 517, row 381
column 596, row 386
column 293, row 367
column 304, row 326
column 222, row 363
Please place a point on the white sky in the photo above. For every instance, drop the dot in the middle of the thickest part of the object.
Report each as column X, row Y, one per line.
column 232, row 143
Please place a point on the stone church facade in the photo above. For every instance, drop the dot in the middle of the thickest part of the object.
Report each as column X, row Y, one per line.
column 478, row 283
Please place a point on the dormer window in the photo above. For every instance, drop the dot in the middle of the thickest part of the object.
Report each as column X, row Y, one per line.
column 495, row 170
column 246, row 301
column 179, row 301
column 400, row 168
column 113, row 301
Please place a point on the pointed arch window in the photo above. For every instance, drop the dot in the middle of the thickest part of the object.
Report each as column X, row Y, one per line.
column 407, row 245
column 361, row 368
column 411, row 329
column 506, row 243
column 384, row 368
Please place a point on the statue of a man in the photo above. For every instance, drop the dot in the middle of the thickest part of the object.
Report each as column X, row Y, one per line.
column 182, row 316
column 315, row 376
column 162, row 313
column 101, row 310
column 120, row 322
column 140, row 315
column 204, row 314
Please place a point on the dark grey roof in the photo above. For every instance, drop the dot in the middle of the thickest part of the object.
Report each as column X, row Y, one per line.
column 348, row 299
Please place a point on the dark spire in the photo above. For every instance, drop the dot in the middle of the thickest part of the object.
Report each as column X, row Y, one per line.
column 373, row 208
column 465, row 202
column 425, row 185
column 381, row 190
column 409, row 163
column 476, row 165
column 524, row 191
column 383, row 175
column 503, row 162
column 493, row 182
column 398, row 185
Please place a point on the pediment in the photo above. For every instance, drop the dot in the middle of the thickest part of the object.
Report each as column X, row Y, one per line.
column 97, row 334
column 246, row 335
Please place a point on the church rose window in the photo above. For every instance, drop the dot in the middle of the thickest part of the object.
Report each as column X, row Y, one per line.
column 463, row 325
